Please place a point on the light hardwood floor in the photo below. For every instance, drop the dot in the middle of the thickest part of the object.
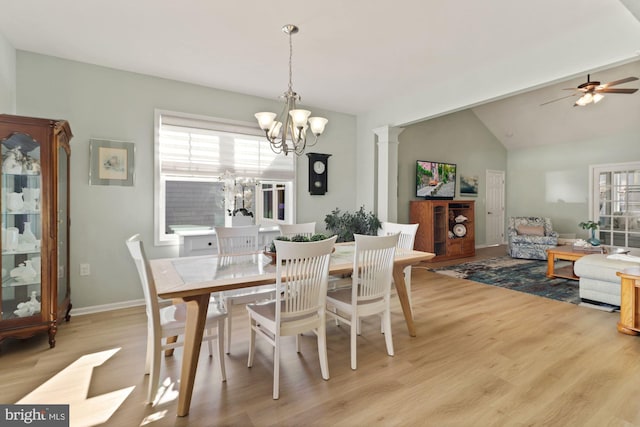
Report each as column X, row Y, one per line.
column 484, row 356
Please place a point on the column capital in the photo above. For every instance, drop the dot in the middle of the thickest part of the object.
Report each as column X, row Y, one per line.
column 388, row 133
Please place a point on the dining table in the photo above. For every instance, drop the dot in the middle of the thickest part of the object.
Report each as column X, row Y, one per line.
column 193, row 280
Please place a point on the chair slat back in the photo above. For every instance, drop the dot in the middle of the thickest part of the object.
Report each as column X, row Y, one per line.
column 302, row 274
column 237, row 239
column 306, row 229
column 373, row 266
column 136, row 249
column 407, row 233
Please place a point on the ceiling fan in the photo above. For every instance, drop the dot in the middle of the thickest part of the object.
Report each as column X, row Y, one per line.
column 592, row 91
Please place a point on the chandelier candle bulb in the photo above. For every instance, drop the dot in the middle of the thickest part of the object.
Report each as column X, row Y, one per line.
column 265, row 119
column 317, row 125
column 299, row 117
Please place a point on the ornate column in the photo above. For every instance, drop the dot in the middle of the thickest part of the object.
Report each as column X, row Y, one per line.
column 388, row 172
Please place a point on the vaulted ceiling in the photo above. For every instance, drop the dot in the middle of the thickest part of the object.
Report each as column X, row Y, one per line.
column 359, row 55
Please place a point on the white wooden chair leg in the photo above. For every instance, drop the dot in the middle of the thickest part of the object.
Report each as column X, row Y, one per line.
column 149, row 357
column 223, row 371
column 276, row 369
column 387, row 327
column 353, row 332
column 154, row 376
column 407, row 281
column 228, row 305
column 298, row 343
column 252, row 342
column 322, row 350
column 210, row 333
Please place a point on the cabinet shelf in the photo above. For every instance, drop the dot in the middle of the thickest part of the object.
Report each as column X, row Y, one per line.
column 21, row 213
column 9, row 253
column 11, row 283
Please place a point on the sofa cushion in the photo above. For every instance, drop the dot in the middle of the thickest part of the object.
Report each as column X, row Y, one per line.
column 530, row 230
column 598, row 267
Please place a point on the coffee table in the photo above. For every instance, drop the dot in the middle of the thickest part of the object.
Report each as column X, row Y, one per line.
column 567, row 253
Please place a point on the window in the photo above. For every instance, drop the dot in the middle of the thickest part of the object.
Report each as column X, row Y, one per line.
column 209, row 169
column 615, row 203
column 274, row 201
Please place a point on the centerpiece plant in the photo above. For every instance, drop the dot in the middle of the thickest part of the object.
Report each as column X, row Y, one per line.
column 297, row 238
column 346, row 224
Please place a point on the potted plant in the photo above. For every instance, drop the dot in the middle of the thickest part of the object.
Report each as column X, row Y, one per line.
column 593, row 226
column 346, row 224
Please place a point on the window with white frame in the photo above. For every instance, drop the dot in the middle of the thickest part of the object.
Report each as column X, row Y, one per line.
column 615, row 203
column 208, row 170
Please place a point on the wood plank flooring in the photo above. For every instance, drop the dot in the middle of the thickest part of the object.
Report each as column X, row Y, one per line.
column 484, row 356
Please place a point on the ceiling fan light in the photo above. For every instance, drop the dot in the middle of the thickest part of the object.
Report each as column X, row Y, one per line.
column 597, row 97
column 581, row 102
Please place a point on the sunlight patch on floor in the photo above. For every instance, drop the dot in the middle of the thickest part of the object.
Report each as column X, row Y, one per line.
column 74, row 380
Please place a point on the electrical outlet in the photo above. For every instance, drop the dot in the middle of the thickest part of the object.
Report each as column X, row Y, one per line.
column 85, row 269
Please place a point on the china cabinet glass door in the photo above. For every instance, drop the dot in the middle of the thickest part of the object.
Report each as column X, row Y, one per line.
column 63, row 229
column 21, row 227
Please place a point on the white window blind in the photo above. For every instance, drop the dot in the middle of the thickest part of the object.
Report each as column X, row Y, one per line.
column 192, row 147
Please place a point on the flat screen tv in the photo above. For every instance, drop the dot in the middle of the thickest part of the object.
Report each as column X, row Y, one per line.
column 435, row 180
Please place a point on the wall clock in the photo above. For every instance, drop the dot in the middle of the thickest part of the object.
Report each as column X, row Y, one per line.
column 318, row 165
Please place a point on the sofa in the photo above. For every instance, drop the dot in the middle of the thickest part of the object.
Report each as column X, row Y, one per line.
column 529, row 237
column 598, row 279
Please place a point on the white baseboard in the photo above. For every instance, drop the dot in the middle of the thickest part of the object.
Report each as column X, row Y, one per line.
column 106, row 307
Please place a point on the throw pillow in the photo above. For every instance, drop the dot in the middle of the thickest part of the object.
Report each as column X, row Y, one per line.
column 530, row 230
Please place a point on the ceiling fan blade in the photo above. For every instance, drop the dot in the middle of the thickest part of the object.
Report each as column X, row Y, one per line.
column 559, row 99
column 619, row 82
column 616, row 90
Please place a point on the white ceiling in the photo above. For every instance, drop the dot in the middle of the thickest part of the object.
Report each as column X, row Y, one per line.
column 350, row 56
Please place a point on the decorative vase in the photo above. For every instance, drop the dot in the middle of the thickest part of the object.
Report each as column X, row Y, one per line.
column 27, row 234
column 11, row 239
column 593, row 241
column 15, row 202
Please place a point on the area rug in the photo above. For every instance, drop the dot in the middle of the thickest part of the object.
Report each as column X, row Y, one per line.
column 521, row 275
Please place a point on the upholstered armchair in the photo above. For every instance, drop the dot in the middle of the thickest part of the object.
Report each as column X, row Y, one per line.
column 530, row 236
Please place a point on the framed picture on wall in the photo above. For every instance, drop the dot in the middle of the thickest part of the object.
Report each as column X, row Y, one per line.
column 111, row 162
column 469, row 185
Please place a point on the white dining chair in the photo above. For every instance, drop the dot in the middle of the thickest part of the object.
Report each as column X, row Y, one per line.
column 302, row 272
column 169, row 322
column 306, row 229
column 370, row 290
column 233, row 240
column 406, row 241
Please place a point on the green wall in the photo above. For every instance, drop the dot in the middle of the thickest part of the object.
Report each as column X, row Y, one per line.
column 104, row 103
column 459, row 138
column 553, row 180
column 7, row 77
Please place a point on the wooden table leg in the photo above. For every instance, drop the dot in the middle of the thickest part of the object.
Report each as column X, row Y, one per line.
column 194, row 328
column 550, row 266
column 401, row 289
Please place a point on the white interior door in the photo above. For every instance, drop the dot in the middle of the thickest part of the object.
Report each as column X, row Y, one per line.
column 495, row 207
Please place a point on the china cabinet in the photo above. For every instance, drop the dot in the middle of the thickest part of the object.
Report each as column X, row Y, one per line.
column 35, row 290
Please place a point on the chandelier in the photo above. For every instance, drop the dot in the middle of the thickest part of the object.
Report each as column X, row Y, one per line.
column 288, row 132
